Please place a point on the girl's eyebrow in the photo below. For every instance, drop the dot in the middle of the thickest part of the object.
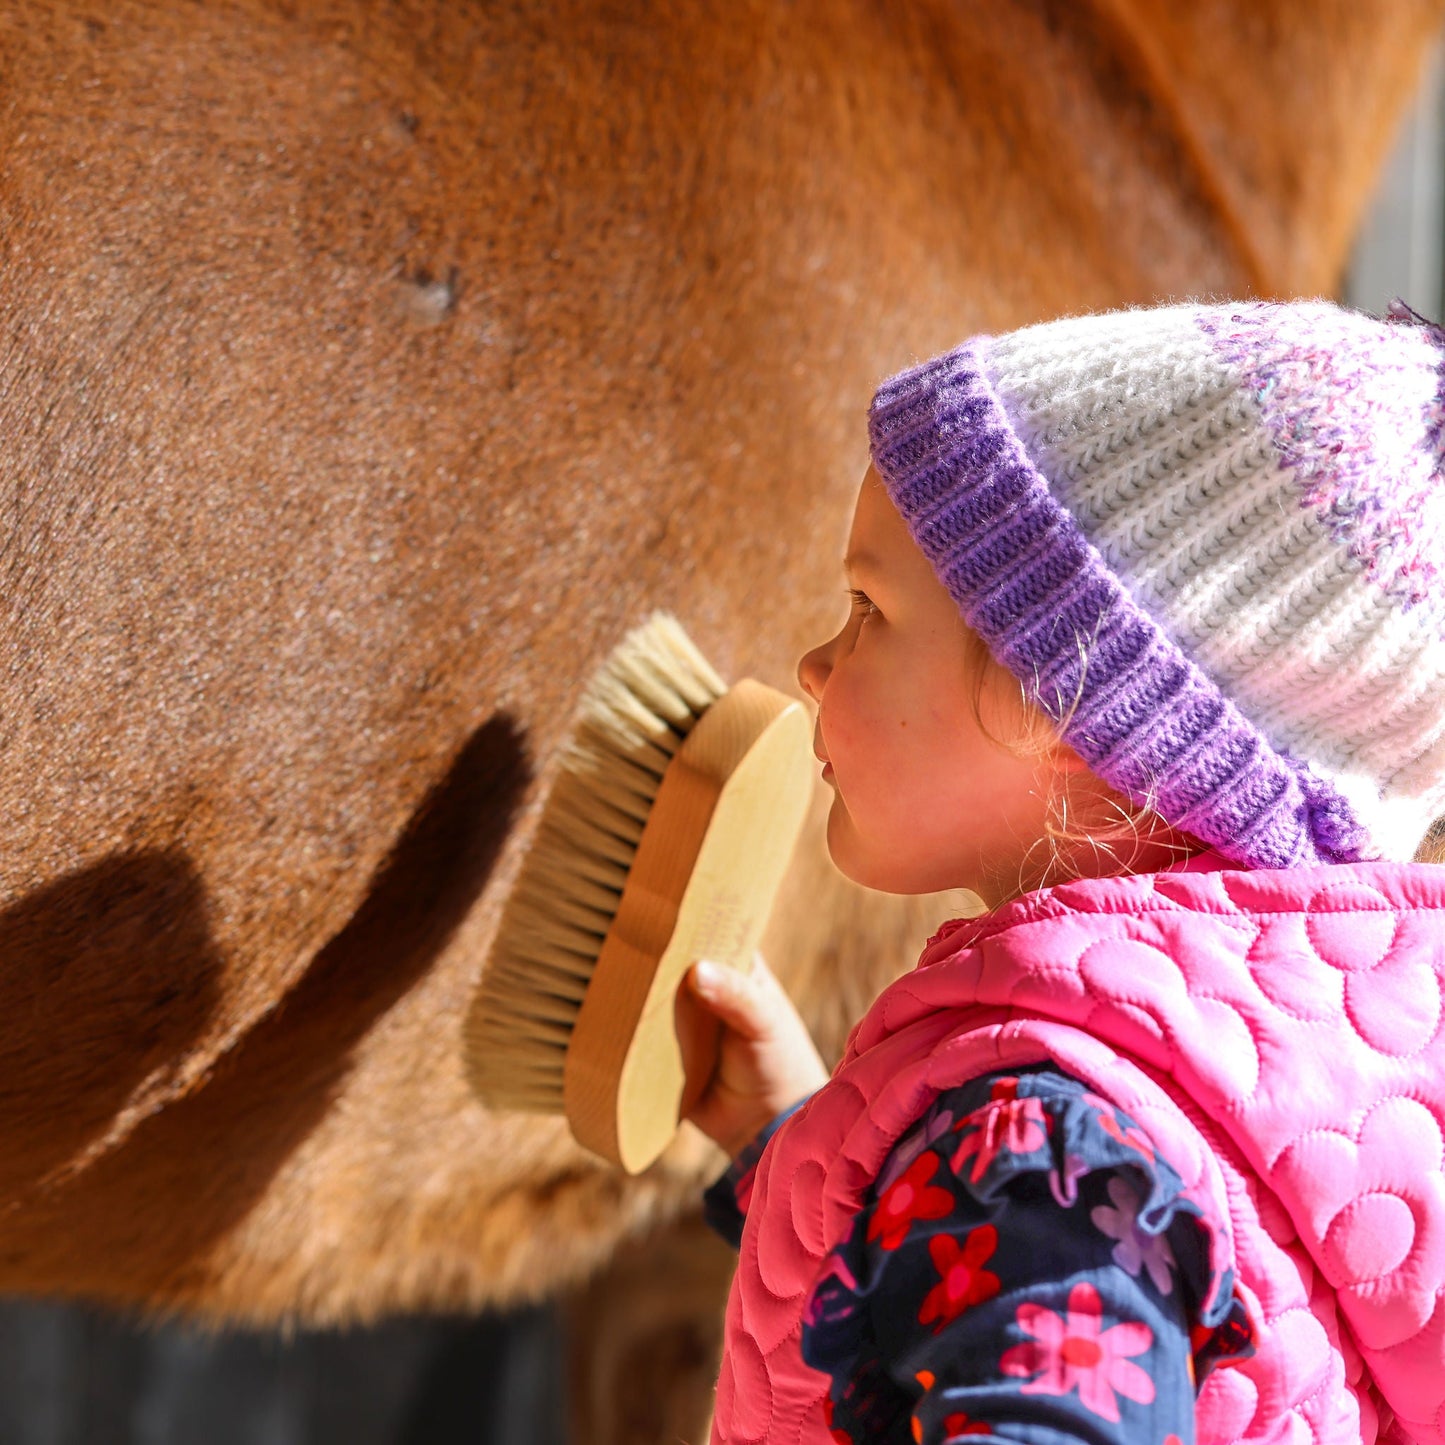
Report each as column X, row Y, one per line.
column 860, row 562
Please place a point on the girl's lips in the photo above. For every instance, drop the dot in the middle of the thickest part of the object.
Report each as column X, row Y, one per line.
column 821, row 757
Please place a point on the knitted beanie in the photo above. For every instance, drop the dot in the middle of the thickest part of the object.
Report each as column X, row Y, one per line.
column 1205, row 539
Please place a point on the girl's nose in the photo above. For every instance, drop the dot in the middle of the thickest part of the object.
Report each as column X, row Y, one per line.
column 813, row 669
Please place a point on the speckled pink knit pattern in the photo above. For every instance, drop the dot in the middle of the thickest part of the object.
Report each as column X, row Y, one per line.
column 1360, row 466
column 1204, row 539
column 1279, row 1036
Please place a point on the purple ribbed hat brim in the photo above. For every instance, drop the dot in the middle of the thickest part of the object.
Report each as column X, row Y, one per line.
column 1147, row 719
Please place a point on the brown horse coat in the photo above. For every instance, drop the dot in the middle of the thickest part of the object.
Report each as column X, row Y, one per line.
column 365, row 369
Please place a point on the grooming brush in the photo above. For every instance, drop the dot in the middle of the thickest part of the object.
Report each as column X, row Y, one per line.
column 663, row 841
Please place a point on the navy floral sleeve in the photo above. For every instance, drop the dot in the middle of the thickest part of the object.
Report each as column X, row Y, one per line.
column 1025, row 1267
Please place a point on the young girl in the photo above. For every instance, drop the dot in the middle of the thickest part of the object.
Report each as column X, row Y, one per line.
column 1146, row 649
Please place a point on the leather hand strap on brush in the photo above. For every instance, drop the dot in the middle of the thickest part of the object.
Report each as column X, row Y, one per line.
column 664, row 841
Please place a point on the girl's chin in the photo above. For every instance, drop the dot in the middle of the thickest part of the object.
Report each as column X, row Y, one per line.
column 845, row 848
column 885, row 869
column 880, row 869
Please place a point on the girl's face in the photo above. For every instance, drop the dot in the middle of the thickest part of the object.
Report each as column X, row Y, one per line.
column 924, row 799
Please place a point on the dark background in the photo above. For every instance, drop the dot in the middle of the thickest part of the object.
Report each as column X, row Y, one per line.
column 71, row 1376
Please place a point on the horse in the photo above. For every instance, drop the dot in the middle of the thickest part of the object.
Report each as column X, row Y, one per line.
column 367, row 367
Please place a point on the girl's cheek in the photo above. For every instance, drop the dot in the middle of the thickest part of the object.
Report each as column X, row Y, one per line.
column 843, row 712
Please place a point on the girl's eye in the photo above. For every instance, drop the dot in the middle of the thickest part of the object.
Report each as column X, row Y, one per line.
column 862, row 602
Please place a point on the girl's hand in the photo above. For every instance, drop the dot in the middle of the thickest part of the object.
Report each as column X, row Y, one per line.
column 750, row 1052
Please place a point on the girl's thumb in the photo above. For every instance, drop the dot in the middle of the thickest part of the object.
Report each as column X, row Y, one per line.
column 727, row 993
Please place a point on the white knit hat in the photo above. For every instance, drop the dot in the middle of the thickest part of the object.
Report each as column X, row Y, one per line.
column 1239, row 511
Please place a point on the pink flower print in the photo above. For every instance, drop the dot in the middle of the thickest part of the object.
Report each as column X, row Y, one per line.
column 954, row 1425
column 1071, row 1350
column 1005, row 1124
column 911, row 1198
column 917, row 1141
column 1064, row 1184
column 1132, row 1137
column 824, row 1303
column 1136, row 1249
column 962, row 1280
column 957, row 1425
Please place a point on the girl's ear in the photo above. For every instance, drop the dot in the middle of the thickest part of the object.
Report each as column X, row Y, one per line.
column 1065, row 760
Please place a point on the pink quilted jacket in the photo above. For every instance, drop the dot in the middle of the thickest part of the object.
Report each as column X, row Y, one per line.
column 1278, row 1034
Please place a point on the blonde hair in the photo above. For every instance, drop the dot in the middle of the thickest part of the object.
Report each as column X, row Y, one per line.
column 1083, row 838
column 1091, row 828
column 1432, row 845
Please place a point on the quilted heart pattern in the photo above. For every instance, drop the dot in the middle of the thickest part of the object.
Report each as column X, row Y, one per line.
column 1372, row 1199
column 1279, row 1035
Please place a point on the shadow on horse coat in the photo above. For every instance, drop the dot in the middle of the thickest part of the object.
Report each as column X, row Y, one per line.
column 365, row 369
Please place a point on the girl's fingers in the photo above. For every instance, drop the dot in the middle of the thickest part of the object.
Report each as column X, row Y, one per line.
column 731, row 996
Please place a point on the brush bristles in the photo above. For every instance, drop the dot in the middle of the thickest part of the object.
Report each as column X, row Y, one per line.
column 633, row 717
